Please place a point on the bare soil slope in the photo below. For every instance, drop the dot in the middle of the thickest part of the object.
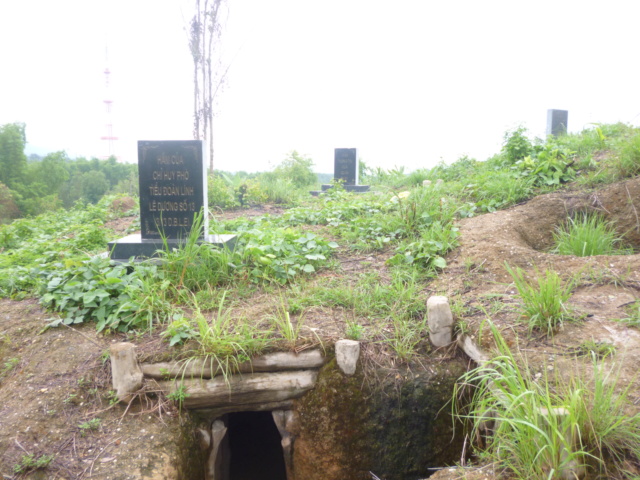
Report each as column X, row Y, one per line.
column 55, row 401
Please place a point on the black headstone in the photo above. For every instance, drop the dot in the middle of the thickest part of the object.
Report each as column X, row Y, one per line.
column 173, row 187
column 557, row 121
column 346, row 166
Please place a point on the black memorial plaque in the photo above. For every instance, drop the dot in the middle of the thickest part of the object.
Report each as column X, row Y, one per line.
column 172, row 187
column 346, row 166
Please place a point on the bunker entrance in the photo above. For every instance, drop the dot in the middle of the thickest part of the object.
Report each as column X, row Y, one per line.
column 255, row 449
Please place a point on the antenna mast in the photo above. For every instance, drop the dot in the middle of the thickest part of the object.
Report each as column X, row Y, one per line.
column 108, row 137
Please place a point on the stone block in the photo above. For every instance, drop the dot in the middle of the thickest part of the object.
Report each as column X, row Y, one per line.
column 347, row 354
column 440, row 321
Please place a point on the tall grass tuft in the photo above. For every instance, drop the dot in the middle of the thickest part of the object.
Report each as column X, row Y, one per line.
column 226, row 340
column 406, row 336
column 547, row 429
column 281, row 320
column 586, row 236
column 198, row 265
column 544, row 301
column 629, row 157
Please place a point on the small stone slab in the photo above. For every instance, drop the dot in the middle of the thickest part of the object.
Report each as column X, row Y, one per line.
column 208, row 368
column 348, row 188
column 258, row 388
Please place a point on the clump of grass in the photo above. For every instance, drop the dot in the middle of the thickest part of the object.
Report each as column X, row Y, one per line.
column 281, row 320
column 586, row 236
column 633, row 315
column 549, row 428
column 8, row 366
column 227, row 341
column 30, row 462
column 179, row 395
column 197, row 265
column 629, row 157
column 544, row 300
column 90, row 426
column 354, row 331
column 407, row 335
column 594, row 349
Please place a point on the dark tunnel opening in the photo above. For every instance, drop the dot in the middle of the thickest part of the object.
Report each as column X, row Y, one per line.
column 254, row 445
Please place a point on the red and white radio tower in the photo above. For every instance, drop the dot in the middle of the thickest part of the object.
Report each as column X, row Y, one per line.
column 109, row 137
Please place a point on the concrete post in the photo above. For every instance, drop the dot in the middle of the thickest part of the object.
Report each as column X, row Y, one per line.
column 347, row 354
column 440, row 321
column 126, row 375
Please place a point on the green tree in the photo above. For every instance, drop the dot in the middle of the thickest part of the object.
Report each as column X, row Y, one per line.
column 13, row 161
column 8, row 208
column 94, row 186
column 297, row 168
column 516, row 145
column 50, row 173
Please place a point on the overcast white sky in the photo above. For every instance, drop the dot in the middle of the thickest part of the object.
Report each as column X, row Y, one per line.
column 407, row 82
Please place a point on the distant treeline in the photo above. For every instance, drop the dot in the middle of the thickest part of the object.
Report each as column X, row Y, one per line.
column 29, row 186
column 32, row 185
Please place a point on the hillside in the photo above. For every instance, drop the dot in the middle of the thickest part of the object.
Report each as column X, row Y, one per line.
column 341, row 266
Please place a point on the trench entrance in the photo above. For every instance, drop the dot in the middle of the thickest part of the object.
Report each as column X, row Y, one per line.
column 254, row 446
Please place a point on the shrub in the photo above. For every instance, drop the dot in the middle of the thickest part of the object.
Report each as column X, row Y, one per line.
column 278, row 189
column 296, row 168
column 548, row 165
column 220, row 193
column 516, row 146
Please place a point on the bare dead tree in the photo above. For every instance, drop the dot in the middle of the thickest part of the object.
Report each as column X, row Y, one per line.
column 208, row 72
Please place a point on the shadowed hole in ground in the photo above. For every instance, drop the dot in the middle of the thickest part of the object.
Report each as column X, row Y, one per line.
column 254, row 444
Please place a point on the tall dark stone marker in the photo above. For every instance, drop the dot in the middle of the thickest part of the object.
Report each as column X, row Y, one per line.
column 173, row 189
column 557, row 121
column 345, row 169
column 345, row 165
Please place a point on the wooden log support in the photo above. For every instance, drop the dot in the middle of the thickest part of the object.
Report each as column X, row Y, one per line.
column 209, row 368
column 215, row 411
column 238, row 390
column 473, row 351
column 126, row 375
